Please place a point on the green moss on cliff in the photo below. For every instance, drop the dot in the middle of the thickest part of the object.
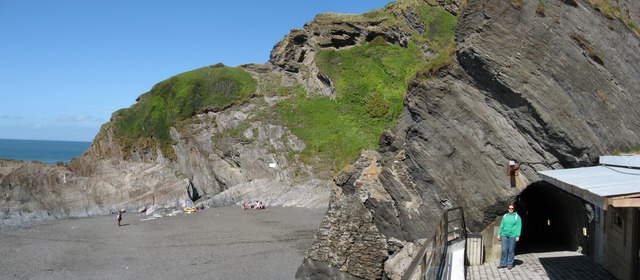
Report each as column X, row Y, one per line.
column 370, row 81
column 612, row 12
column 333, row 132
column 146, row 124
column 540, row 9
column 633, row 151
column 365, row 74
column 439, row 29
column 439, row 36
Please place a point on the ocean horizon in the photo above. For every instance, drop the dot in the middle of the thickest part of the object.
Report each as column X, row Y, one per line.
column 47, row 151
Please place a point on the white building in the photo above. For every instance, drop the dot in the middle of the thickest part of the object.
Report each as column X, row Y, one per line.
column 613, row 190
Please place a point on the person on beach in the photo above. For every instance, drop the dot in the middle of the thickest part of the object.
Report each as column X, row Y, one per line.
column 119, row 217
column 258, row 205
column 509, row 234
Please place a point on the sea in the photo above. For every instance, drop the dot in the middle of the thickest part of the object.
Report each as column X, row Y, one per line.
column 46, row 151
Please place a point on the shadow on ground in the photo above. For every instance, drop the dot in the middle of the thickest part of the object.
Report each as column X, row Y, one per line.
column 574, row 267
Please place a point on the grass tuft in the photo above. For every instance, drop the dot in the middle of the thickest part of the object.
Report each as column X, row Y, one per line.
column 540, row 9
column 516, row 4
column 434, row 66
column 590, row 51
column 612, row 12
column 602, row 96
column 633, row 151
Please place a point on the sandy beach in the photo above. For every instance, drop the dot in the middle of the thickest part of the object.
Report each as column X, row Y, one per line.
column 218, row 243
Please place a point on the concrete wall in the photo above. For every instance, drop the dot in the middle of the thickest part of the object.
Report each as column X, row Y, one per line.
column 492, row 247
column 619, row 241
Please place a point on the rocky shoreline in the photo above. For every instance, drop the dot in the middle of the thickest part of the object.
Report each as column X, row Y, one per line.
column 34, row 191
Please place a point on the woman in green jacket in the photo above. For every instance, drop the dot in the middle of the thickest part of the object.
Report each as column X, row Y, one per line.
column 509, row 234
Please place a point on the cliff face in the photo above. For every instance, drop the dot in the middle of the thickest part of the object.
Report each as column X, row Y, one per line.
column 33, row 191
column 628, row 9
column 549, row 88
column 221, row 158
column 211, row 167
column 548, row 91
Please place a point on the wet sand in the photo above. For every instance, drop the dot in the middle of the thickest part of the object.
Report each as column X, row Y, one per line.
column 218, row 243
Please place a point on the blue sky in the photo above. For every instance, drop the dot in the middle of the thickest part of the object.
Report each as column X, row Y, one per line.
column 65, row 66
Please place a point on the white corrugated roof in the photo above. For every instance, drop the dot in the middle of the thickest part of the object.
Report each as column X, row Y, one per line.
column 623, row 161
column 596, row 184
column 599, row 180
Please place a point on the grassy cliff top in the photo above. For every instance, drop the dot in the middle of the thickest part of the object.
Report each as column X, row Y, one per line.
column 370, row 80
column 176, row 99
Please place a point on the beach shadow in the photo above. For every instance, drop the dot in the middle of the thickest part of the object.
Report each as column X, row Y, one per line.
column 124, row 225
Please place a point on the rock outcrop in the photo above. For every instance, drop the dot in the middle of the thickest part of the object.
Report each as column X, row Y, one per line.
column 34, row 191
column 294, row 55
column 552, row 91
column 549, row 89
column 628, row 9
column 211, row 167
column 251, row 167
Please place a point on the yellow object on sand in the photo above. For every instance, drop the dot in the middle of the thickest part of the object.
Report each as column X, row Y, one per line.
column 189, row 209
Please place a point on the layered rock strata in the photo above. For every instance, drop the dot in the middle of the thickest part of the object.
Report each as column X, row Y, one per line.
column 209, row 168
column 548, row 90
column 552, row 91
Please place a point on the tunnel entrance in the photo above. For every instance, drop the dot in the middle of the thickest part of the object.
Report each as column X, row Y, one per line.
column 553, row 220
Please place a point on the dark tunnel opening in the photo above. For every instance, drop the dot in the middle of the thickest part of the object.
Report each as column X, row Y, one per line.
column 553, row 220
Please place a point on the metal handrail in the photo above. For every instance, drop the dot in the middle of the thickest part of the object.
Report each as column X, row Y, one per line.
column 432, row 256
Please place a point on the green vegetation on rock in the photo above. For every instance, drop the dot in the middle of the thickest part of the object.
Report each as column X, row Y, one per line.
column 593, row 54
column 540, row 9
column 439, row 29
column 633, row 151
column 147, row 123
column 612, row 12
column 371, row 80
column 333, row 132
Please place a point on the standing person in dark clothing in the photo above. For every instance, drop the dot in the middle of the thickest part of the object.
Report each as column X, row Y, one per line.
column 509, row 234
column 119, row 217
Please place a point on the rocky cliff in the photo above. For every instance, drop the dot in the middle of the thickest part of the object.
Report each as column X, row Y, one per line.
column 220, row 154
column 34, row 191
column 248, row 167
column 230, row 153
column 549, row 84
column 549, row 89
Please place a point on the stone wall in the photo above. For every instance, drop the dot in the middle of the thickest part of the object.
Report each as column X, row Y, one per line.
column 348, row 238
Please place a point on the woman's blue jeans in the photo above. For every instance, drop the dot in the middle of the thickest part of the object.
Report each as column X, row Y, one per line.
column 508, row 250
